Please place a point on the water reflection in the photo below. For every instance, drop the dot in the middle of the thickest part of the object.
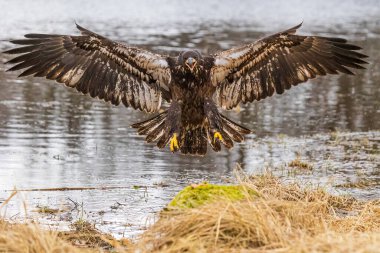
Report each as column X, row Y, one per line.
column 51, row 136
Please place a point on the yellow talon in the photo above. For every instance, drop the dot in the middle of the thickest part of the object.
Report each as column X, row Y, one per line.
column 174, row 143
column 217, row 135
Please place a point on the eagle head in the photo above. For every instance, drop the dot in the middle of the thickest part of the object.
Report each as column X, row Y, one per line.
column 190, row 60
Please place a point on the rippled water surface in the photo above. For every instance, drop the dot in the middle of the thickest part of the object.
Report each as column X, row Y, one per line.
column 52, row 137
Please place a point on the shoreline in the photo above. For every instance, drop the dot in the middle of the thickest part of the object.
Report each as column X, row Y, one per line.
column 281, row 217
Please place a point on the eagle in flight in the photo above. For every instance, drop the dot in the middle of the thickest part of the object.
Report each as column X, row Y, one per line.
column 195, row 85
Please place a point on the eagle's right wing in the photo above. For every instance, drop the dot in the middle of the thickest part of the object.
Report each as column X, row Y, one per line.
column 96, row 65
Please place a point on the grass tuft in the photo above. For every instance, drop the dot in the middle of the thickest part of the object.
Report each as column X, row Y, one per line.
column 284, row 218
column 298, row 163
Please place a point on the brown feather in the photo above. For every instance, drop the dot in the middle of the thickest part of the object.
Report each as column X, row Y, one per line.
column 275, row 63
column 93, row 64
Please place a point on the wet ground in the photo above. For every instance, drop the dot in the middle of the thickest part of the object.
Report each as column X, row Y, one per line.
column 88, row 163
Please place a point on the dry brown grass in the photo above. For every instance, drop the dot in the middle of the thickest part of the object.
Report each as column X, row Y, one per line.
column 21, row 238
column 298, row 163
column 360, row 184
column 283, row 218
column 85, row 235
column 29, row 237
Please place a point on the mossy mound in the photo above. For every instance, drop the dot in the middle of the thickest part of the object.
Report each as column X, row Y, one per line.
column 196, row 195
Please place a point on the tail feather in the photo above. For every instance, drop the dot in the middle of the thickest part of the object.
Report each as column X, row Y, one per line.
column 163, row 140
column 146, row 126
column 153, row 128
column 156, row 133
column 233, row 130
column 242, row 130
column 227, row 141
column 233, row 134
column 192, row 139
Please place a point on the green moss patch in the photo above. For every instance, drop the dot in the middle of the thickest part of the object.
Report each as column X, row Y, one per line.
column 194, row 196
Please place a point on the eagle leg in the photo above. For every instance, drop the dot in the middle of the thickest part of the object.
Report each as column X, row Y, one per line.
column 214, row 119
column 221, row 129
column 216, row 135
column 174, row 143
column 164, row 128
column 173, row 125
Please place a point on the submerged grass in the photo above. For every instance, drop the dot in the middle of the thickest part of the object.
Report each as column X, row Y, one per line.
column 298, row 163
column 278, row 218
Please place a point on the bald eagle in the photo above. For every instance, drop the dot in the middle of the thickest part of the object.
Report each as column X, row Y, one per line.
column 194, row 84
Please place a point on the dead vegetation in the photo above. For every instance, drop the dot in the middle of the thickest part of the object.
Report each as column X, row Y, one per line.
column 359, row 184
column 279, row 218
column 20, row 238
column 284, row 218
column 299, row 164
column 85, row 235
column 47, row 210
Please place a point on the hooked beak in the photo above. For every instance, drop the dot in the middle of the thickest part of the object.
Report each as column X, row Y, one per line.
column 190, row 63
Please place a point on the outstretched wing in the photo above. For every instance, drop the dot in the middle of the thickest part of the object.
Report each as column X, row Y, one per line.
column 97, row 66
column 275, row 63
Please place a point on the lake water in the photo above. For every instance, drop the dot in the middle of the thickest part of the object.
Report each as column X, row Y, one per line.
column 52, row 137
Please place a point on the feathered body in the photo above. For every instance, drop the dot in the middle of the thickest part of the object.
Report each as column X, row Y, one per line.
column 194, row 84
column 193, row 114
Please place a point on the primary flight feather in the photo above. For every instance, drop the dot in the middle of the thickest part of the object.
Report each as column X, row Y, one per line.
column 194, row 84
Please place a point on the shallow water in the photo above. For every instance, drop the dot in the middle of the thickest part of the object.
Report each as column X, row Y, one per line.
column 53, row 137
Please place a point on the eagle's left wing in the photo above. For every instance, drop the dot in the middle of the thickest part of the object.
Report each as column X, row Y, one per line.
column 275, row 63
column 97, row 66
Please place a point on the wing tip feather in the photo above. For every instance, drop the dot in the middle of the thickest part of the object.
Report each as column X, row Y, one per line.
column 294, row 29
column 87, row 32
column 80, row 28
